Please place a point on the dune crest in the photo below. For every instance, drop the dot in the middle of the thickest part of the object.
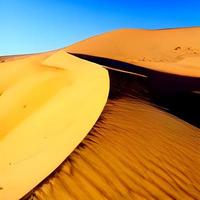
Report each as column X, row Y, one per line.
column 45, row 113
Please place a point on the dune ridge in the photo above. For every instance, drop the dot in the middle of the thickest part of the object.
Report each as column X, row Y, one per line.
column 40, row 110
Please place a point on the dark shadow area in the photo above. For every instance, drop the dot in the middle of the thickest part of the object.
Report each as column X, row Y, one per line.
column 172, row 93
column 176, row 94
column 114, row 64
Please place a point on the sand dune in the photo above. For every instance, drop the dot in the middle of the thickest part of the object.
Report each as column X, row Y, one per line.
column 134, row 151
column 162, row 50
column 45, row 113
column 169, row 59
column 137, row 149
column 166, row 50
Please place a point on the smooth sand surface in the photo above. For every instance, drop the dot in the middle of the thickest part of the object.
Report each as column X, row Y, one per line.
column 47, row 106
column 161, row 50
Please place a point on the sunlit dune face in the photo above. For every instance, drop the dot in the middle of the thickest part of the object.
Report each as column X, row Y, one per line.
column 142, row 45
column 47, row 106
column 30, row 98
column 160, row 50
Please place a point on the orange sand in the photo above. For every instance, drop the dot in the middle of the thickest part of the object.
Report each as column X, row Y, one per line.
column 47, row 107
column 161, row 50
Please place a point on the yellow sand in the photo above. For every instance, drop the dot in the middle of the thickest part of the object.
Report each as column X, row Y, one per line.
column 47, row 106
column 161, row 50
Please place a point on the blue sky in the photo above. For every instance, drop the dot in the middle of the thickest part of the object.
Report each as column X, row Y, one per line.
column 29, row 26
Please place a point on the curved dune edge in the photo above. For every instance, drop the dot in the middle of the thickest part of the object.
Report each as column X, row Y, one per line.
column 45, row 114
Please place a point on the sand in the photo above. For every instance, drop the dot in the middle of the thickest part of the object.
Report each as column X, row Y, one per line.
column 161, row 50
column 135, row 151
column 165, row 50
column 48, row 105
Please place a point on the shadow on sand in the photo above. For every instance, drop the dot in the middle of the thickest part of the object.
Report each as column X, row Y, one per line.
column 175, row 94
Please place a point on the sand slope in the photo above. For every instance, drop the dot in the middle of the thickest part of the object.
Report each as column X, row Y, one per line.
column 135, row 151
column 47, row 106
column 162, row 50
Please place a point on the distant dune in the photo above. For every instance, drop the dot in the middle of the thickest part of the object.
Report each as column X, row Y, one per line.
column 162, row 50
column 142, row 146
column 165, row 50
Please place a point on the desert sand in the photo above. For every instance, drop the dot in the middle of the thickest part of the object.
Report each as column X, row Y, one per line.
column 160, row 50
column 48, row 105
column 175, row 51
column 136, row 150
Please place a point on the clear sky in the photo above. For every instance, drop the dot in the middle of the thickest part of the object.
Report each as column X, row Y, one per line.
column 29, row 26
